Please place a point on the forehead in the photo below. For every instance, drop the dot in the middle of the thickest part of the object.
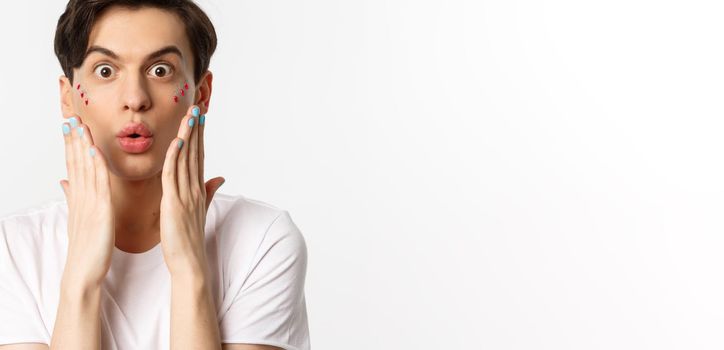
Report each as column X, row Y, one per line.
column 134, row 33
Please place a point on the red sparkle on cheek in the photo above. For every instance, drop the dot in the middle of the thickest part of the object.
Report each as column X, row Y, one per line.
column 82, row 94
column 183, row 93
column 186, row 86
column 86, row 102
column 175, row 99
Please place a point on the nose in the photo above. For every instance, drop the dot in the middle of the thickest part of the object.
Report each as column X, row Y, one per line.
column 135, row 94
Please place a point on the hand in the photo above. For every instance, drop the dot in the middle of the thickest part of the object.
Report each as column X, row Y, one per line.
column 186, row 199
column 91, row 228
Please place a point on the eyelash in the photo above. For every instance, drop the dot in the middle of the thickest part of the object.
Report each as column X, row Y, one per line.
column 171, row 69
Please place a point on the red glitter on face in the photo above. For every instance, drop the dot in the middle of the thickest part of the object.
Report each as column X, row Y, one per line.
column 77, row 87
column 183, row 93
column 186, row 86
column 82, row 94
column 175, row 99
column 86, row 102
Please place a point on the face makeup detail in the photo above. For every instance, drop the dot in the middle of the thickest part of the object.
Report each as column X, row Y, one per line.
column 83, row 94
column 180, row 91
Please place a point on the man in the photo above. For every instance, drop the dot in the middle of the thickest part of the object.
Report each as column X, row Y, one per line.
column 143, row 254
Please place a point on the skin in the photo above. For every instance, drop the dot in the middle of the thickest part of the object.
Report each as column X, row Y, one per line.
column 135, row 201
column 135, row 93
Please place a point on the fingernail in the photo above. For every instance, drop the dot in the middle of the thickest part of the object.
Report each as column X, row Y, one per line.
column 92, row 152
column 195, row 112
column 202, row 120
column 73, row 122
column 80, row 131
column 180, row 144
column 66, row 129
column 191, row 122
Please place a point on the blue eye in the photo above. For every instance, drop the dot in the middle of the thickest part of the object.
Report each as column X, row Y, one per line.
column 161, row 70
column 104, row 71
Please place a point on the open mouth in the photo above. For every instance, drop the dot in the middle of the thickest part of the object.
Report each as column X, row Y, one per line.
column 133, row 136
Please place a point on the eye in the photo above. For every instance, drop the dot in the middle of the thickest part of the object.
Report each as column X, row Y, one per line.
column 161, row 70
column 104, row 71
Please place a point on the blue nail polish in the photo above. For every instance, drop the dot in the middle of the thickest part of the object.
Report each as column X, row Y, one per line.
column 195, row 112
column 202, row 120
column 66, row 129
column 80, row 131
column 180, row 143
column 92, row 152
column 73, row 122
column 191, row 122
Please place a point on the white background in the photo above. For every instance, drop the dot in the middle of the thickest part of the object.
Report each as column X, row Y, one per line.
column 467, row 174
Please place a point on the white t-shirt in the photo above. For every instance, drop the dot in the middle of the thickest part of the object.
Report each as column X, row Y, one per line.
column 257, row 259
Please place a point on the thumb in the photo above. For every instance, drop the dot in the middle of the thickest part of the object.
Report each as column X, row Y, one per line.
column 64, row 185
column 211, row 187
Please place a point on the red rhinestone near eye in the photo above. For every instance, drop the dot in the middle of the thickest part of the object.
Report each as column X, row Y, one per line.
column 86, row 102
column 183, row 93
column 175, row 99
column 82, row 94
column 77, row 87
column 186, row 86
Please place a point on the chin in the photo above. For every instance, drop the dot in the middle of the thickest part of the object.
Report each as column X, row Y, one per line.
column 139, row 166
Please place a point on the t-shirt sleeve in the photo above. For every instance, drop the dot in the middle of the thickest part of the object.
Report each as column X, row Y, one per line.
column 20, row 318
column 270, row 307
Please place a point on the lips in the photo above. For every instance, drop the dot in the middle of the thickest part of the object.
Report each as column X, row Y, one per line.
column 135, row 138
column 138, row 129
column 135, row 145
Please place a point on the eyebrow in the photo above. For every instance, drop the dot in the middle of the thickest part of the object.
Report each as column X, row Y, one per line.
column 155, row 54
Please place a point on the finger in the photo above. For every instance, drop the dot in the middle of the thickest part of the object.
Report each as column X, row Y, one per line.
column 89, row 162
column 69, row 154
column 168, row 174
column 202, row 127
column 103, row 180
column 193, row 150
column 78, row 157
column 182, row 167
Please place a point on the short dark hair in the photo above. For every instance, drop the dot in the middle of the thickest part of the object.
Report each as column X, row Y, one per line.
column 75, row 24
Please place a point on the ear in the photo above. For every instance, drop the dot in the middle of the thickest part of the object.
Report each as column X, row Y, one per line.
column 66, row 97
column 203, row 96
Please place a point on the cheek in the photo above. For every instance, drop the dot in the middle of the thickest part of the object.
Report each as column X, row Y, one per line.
column 181, row 92
column 82, row 94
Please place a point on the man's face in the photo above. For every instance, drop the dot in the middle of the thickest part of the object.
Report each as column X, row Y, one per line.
column 134, row 87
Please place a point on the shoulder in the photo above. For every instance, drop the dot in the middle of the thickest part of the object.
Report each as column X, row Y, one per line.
column 33, row 224
column 32, row 242
column 241, row 215
column 255, row 229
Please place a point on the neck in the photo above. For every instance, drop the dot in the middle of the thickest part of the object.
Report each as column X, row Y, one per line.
column 136, row 206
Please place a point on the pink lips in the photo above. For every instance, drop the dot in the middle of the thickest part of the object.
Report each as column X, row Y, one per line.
column 135, row 128
column 138, row 144
column 135, row 145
